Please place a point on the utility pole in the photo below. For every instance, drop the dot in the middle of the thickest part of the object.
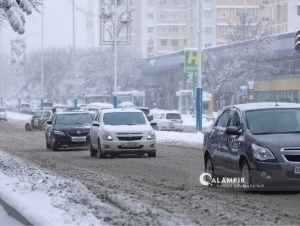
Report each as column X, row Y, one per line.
column 42, row 76
column 75, row 59
column 199, row 91
column 109, row 18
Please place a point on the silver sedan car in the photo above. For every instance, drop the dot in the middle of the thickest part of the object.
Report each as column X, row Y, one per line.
column 122, row 131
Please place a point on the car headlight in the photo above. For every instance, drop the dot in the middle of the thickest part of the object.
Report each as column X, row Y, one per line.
column 151, row 135
column 261, row 153
column 107, row 136
column 57, row 132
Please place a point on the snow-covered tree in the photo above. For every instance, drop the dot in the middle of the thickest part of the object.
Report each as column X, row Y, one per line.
column 243, row 59
column 13, row 11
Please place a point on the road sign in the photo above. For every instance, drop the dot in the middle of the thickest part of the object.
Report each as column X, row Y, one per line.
column 191, row 60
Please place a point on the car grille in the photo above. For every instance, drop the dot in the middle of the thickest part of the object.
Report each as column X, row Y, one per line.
column 74, row 134
column 130, row 138
column 124, row 148
column 292, row 158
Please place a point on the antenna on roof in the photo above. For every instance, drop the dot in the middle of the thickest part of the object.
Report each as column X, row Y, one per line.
column 275, row 100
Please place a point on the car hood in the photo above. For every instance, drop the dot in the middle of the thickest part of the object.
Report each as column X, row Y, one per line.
column 127, row 129
column 80, row 127
column 277, row 140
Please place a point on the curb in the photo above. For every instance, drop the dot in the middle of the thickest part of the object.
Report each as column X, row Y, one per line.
column 14, row 213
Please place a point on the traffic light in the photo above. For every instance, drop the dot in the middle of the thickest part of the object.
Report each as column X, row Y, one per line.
column 297, row 40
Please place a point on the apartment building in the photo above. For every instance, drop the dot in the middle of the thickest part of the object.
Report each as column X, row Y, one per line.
column 284, row 15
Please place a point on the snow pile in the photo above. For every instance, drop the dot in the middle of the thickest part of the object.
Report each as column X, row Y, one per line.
column 45, row 199
column 176, row 139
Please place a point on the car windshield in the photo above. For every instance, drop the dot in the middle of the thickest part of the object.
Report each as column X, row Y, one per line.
column 124, row 118
column 173, row 116
column 71, row 119
column 273, row 121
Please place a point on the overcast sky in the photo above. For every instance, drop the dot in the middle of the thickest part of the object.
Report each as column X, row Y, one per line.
column 58, row 27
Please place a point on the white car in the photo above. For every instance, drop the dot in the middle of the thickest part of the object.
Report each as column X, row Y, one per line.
column 169, row 121
column 122, row 131
column 3, row 114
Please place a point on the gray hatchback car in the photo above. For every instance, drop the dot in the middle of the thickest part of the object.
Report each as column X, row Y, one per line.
column 257, row 142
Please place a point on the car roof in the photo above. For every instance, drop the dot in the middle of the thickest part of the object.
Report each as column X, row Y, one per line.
column 264, row 105
column 71, row 112
column 120, row 110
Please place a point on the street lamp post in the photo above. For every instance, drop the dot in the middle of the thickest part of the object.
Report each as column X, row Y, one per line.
column 199, row 91
column 75, row 58
column 1, row 78
column 42, row 76
column 110, row 18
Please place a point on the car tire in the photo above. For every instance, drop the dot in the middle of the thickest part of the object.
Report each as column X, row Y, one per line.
column 246, row 174
column 93, row 152
column 28, row 127
column 53, row 146
column 48, row 146
column 209, row 168
column 152, row 154
column 100, row 154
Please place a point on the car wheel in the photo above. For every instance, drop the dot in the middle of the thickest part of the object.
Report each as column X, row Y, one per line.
column 209, row 168
column 28, row 127
column 99, row 151
column 152, row 154
column 53, row 146
column 93, row 153
column 47, row 144
column 245, row 175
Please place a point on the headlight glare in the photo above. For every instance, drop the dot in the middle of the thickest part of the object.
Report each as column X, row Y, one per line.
column 107, row 136
column 261, row 153
column 151, row 135
column 57, row 132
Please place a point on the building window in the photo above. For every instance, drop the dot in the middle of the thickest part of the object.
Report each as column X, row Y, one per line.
column 207, row 45
column 265, row 2
column 176, row 29
column 164, row 42
column 150, row 2
column 174, row 15
column 224, row 13
column 207, row 13
column 247, row 12
column 163, row 15
column 150, row 15
column 208, row 30
column 223, row 29
column 298, row 10
column 265, row 19
column 174, row 42
column 162, row 2
column 150, row 29
column 179, row 2
column 162, row 29
column 183, row 29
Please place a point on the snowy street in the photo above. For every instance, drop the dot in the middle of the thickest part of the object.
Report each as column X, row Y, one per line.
column 71, row 188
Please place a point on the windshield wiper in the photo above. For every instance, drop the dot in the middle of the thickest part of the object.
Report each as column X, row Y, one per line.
column 130, row 124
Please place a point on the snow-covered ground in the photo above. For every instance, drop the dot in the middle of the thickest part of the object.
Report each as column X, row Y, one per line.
column 45, row 199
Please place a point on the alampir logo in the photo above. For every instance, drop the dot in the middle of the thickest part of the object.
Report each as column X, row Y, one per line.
column 204, row 178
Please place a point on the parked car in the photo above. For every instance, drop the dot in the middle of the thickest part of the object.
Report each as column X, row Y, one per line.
column 126, row 104
column 38, row 120
column 259, row 142
column 169, row 121
column 97, row 107
column 68, row 129
column 3, row 114
column 25, row 107
column 122, row 131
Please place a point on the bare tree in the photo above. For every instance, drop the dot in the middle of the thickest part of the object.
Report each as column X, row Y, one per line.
column 243, row 59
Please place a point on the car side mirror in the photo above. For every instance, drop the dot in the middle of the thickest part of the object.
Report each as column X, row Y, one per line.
column 232, row 130
column 95, row 123
column 49, row 122
column 153, row 123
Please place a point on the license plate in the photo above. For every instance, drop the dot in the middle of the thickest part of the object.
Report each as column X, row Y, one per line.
column 78, row 139
column 297, row 170
column 130, row 144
